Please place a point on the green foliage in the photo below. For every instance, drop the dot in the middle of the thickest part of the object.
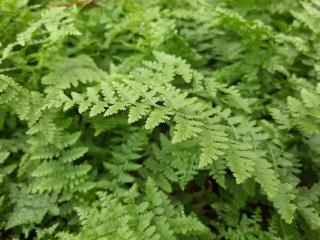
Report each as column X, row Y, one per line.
column 159, row 119
column 134, row 215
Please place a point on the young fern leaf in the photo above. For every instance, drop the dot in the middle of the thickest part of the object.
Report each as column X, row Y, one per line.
column 124, row 159
column 158, row 116
column 241, row 160
column 70, row 72
column 137, row 112
column 213, row 145
column 115, row 108
column 73, row 154
column 266, row 176
column 283, row 202
column 186, row 129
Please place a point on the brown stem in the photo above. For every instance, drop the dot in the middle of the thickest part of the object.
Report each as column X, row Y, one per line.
column 83, row 4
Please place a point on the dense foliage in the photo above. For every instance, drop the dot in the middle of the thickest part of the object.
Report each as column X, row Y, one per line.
column 160, row 119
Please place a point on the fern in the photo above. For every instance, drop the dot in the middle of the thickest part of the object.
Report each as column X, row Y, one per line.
column 73, row 71
column 159, row 119
column 122, row 161
column 152, row 217
column 30, row 209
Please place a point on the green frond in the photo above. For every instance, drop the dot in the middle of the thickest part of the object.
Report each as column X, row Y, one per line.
column 70, row 72
column 156, row 117
column 159, row 120
column 240, row 160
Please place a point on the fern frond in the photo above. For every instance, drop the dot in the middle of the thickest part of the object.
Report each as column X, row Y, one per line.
column 70, row 72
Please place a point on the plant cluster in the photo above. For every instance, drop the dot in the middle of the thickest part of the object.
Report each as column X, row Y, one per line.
column 160, row 119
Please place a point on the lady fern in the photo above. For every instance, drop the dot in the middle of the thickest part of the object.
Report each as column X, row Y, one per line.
column 159, row 120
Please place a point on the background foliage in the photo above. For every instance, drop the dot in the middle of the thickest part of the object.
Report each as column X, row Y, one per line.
column 160, row 119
